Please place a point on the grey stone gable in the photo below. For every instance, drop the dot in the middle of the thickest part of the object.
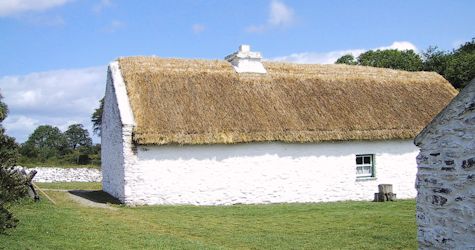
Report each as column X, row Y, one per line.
column 465, row 98
column 445, row 181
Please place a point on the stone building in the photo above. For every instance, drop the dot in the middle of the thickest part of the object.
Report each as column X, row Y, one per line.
column 446, row 176
column 212, row 132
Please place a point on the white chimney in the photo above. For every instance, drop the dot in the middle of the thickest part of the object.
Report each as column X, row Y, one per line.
column 246, row 61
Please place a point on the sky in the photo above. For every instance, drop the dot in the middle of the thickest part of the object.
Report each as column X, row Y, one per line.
column 54, row 53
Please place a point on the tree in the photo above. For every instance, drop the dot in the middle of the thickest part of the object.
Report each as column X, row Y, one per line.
column 47, row 144
column 461, row 65
column 12, row 185
column 3, row 110
column 346, row 59
column 44, row 143
column 80, row 143
column 468, row 47
column 390, row 58
column 96, row 118
column 457, row 66
column 435, row 60
column 460, row 69
column 77, row 136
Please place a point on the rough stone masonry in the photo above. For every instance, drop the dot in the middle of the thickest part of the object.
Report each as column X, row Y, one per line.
column 446, row 177
column 65, row 174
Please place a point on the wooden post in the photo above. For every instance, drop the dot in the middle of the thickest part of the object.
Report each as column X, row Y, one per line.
column 385, row 188
column 385, row 193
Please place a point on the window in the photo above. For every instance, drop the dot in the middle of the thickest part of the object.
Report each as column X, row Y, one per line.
column 364, row 166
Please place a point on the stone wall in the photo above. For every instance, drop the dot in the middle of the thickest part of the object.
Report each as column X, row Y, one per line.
column 66, row 174
column 266, row 173
column 446, row 177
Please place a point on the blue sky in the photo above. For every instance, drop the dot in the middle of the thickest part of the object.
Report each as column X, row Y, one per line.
column 54, row 52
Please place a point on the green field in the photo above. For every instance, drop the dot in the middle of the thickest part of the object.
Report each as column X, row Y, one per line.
column 341, row 225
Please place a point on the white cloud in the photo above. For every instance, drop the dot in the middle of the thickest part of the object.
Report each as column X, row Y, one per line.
column 101, row 5
column 399, row 45
column 21, row 123
column 59, row 98
column 332, row 56
column 315, row 57
column 13, row 7
column 113, row 26
column 198, row 28
column 280, row 16
column 256, row 29
column 44, row 20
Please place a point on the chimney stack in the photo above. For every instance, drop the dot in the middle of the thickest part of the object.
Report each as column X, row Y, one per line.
column 246, row 61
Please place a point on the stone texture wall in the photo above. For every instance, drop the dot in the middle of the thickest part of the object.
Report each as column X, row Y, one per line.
column 266, row 173
column 446, row 177
column 66, row 174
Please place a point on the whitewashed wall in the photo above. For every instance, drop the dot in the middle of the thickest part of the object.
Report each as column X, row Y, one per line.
column 446, row 177
column 64, row 174
column 112, row 153
column 266, row 173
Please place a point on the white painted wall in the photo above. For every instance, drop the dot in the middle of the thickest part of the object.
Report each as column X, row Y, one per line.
column 266, row 173
column 117, row 125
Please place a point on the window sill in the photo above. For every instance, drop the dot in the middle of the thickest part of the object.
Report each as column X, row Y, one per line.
column 366, row 178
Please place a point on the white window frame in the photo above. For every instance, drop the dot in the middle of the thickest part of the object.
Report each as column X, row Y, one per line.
column 365, row 165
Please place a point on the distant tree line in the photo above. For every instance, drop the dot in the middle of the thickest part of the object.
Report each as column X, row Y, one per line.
column 48, row 145
column 457, row 65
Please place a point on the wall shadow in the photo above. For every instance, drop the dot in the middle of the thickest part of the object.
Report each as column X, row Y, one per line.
column 97, row 196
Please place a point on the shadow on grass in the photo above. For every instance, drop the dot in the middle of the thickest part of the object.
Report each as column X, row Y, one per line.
column 96, row 196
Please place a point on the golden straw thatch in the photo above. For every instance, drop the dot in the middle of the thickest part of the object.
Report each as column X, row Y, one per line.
column 202, row 102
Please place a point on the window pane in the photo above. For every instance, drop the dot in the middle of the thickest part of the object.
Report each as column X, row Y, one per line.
column 359, row 170
column 367, row 169
column 359, row 160
column 367, row 160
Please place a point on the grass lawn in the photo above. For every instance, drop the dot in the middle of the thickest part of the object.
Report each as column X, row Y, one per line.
column 347, row 225
column 56, row 165
column 71, row 185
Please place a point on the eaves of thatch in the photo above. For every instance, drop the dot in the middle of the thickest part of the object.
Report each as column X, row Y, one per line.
column 181, row 101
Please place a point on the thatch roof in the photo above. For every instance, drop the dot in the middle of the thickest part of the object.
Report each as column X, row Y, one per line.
column 205, row 102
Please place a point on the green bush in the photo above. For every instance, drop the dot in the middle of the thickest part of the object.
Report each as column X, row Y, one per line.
column 12, row 183
column 84, row 159
column 6, row 220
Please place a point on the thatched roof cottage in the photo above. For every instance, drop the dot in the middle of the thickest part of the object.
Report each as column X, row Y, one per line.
column 208, row 132
column 446, row 176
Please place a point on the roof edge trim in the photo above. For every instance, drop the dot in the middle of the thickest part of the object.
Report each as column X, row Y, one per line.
column 125, row 110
